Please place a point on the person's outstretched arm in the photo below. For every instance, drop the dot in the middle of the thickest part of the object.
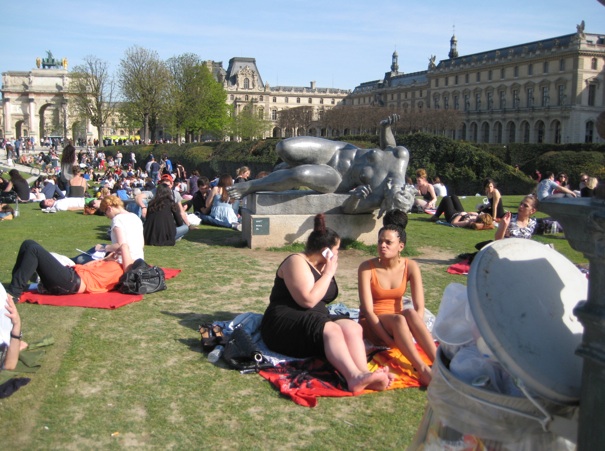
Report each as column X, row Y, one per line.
column 12, row 354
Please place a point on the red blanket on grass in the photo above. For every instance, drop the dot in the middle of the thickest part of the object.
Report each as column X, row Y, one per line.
column 306, row 380
column 462, row 268
column 109, row 300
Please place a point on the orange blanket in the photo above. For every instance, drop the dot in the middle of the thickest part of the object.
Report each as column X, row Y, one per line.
column 109, row 300
column 306, row 380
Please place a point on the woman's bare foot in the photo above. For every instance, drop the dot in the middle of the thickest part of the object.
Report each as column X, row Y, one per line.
column 385, row 370
column 23, row 346
column 378, row 380
column 425, row 374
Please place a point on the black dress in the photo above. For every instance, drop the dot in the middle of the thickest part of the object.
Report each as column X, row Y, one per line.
column 292, row 330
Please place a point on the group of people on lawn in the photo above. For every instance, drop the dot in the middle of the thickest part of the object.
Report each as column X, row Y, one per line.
column 297, row 321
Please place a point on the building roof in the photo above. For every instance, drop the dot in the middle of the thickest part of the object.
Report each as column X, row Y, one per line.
column 238, row 63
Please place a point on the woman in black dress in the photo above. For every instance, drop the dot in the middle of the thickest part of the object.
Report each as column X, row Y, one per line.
column 297, row 321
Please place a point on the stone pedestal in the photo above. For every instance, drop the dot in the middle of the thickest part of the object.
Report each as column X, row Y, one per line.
column 271, row 219
column 583, row 222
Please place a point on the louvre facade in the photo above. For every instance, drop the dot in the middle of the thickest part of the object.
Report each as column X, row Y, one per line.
column 548, row 91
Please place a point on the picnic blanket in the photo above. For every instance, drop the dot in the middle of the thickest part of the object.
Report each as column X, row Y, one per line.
column 305, row 380
column 462, row 267
column 109, row 300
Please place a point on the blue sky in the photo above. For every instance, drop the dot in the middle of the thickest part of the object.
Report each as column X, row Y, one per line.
column 337, row 43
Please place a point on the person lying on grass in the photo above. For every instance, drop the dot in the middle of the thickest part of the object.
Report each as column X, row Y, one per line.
column 457, row 217
column 98, row 276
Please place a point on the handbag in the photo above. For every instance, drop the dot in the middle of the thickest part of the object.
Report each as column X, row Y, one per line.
column 142, row 278
column 8, row 197
column 242, row 354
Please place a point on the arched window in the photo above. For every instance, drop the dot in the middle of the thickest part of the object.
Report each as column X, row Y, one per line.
column 463, row 132
column 539, row 132
column 589, row 132
column 246, row 98
column 261, row 112
column 557, row 134
column 298, row 100
column 273, row 115
column 310, row 100
column 485, row 132
column 511, row 130
column 525, row 131
column 594, row 64
column 286, row 100
column 498, row 132
column 274, row 99
column 246, row 83
column 473, row 136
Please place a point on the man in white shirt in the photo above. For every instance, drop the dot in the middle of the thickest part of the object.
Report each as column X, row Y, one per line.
column 68, row 203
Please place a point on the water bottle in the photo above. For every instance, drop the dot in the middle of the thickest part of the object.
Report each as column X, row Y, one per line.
column 16, row 214
column 216, row 354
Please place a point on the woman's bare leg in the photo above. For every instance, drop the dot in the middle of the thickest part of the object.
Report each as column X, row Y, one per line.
column 338, row 354
column 397, row 327
column 421, row 333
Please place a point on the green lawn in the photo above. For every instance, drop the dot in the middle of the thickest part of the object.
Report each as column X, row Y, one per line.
column 136, row 377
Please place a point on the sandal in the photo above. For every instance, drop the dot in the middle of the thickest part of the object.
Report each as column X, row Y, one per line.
column 208, row 340
column 218, row 333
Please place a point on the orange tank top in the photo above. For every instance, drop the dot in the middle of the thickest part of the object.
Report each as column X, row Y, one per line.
column 387, row 301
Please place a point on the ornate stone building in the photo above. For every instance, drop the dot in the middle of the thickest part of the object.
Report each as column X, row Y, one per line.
column 245, row 87
column 548, row 91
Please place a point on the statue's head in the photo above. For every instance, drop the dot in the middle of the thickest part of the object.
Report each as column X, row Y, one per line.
column 396, row 196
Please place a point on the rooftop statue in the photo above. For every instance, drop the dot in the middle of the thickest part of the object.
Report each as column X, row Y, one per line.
column 375, row 178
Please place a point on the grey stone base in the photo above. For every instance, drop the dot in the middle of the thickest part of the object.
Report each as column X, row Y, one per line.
column 277, row 219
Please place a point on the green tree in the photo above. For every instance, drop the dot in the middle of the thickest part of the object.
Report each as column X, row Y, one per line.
column 197, row 101
column 144, row 81
column 93, row 89
column 249, row 123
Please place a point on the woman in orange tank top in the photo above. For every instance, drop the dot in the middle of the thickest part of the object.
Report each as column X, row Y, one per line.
column 382, row 284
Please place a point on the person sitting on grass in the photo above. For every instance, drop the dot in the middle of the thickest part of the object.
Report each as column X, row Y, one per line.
column 10, row 349
column 385, row 321
column 98, row 276
column 164, row 224
column 494, row 200
column 547, row 187
column 297, row 321
column 457, row 217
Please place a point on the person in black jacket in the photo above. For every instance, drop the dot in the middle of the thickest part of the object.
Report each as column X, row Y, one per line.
column 164, row 224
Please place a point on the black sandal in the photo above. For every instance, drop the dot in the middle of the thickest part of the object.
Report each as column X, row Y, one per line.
column 208, row 339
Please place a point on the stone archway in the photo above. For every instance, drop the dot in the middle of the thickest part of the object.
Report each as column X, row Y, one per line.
column 50, row 120
column 20, row 132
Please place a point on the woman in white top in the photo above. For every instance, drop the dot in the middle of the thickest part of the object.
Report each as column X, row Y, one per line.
column 126, row 228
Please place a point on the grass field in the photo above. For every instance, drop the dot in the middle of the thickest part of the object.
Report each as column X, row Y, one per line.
column 135, row 377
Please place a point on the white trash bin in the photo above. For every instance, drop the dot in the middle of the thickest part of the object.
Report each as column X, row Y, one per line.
column 521, row 295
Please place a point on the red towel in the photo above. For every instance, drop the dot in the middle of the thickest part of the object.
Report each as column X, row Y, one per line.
column 462, row 268
column 306, row 380
column 109, row 300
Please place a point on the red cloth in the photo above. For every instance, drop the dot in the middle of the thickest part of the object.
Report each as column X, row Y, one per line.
column 306, row 380
column 109, row 300
column 461, row 268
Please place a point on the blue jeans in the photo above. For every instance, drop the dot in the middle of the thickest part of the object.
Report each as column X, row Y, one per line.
column 181, row 231
column 207, row 219
column 55, row 277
